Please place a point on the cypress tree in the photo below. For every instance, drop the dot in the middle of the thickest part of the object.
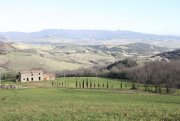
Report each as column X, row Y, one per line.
column 76, row 83
column 52, row 83
column 83, row 84
column 90, row 84
column 94, row 85
column 121, row 85
column 107, row 85
column 103, row 85
column 87, row 82
column 98, row 85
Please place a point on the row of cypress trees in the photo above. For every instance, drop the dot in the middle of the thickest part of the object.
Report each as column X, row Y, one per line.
column 90, row 84
column 87, row 84
column 62, row 84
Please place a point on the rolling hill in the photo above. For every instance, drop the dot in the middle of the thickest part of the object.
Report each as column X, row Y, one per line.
column 86, row 37
column 171, row 55
column 59, row 57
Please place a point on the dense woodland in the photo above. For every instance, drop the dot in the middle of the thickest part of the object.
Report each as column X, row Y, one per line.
column 159, row 74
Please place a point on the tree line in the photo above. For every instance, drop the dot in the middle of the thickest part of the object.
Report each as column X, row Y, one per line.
column 160, row 74
column 157, row 74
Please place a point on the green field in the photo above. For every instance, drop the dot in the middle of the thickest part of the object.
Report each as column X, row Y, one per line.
column 44, row 102
column 70, row 82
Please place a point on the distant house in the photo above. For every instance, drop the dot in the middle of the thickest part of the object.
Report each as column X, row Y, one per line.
column 34, row 75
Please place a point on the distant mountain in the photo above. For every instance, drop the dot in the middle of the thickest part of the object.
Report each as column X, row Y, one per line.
column 85, row 37
column 172, row 55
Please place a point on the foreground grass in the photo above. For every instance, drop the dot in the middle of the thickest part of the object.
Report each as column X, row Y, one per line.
column 48, row 104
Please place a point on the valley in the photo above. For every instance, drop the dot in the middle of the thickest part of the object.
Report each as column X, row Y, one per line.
column 60, row 57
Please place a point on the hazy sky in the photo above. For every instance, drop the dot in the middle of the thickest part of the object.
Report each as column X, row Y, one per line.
column 149, row 16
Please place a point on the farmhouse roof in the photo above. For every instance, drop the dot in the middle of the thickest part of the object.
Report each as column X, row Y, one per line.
column 31, row 71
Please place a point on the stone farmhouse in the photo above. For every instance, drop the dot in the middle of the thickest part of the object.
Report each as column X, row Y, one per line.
column 34, row 75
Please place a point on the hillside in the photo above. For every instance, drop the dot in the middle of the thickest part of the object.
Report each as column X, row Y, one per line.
column 93, row 37
column 170, row 54
column 59, row 57
column 6, row 47
column 131, row 49
column 122, row 63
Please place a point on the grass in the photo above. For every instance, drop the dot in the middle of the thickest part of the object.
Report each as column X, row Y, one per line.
column 113, row 83
column 70, row 82
column 48, row 104
column 44, row 103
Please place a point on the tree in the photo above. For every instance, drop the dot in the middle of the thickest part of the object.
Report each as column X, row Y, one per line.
column 133, row 75
column 90, row 84
column 76, row 83
column 83, row 84
column 87, row 82
column 133, row 86
column 107, row 85
column 121, row 85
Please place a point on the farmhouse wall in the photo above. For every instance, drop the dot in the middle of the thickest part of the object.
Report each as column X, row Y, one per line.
column 34, row 75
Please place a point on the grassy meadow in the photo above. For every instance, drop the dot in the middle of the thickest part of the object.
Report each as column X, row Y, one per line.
column 70, row 82
column 43, row 102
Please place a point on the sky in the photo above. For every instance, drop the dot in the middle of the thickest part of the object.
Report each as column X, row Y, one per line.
column 148, row 16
